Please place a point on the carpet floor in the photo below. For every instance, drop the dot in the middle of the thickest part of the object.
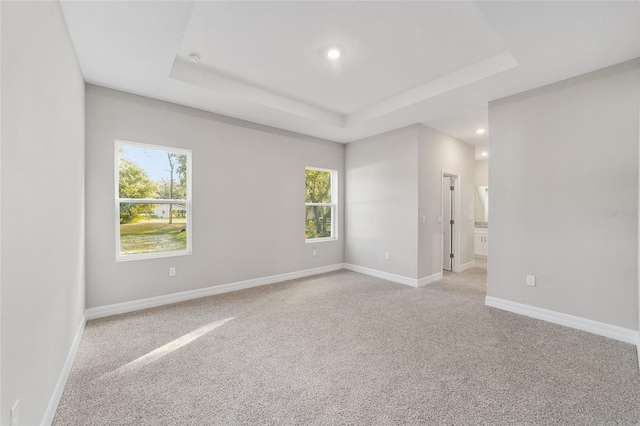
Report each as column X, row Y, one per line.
column 345, row 348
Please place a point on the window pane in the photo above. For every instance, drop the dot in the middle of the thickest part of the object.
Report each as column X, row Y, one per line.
column 151, row 173
column 152, row 228
column 318, row 184
column 318, row 222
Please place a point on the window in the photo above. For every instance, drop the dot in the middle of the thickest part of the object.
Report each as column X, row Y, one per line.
column 153, row 201
column 320, row 205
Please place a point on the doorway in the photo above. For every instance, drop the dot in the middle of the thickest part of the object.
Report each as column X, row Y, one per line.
column 449, row 221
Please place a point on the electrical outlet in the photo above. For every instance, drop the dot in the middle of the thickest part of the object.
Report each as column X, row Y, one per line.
column 314, row 252
column 172, row 271
column 387, row 256
column 424, row 219
column 531, row 280
column 13, row 414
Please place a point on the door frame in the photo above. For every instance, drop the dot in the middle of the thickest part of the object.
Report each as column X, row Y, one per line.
column 455, row 267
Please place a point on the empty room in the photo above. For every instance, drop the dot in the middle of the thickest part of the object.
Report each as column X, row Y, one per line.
column 319, row 213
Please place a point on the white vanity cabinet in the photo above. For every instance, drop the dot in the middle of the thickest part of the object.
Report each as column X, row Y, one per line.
column 481, row 242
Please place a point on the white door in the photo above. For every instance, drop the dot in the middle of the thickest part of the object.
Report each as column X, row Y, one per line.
column 447, row 226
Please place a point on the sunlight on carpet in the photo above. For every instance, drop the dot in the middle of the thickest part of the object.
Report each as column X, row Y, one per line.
column 167, row 349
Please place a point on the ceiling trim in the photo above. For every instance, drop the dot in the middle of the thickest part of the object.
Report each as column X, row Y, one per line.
column 204, row 78
column 476, row 72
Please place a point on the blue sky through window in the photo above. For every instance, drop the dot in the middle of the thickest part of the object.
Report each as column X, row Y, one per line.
column 153, row 161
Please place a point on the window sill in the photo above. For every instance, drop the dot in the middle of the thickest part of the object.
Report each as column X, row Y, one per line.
column 126, row 258
column 320, row 240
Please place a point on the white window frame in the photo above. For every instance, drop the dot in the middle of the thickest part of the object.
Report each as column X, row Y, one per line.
column 333, row 204
column 120, row 257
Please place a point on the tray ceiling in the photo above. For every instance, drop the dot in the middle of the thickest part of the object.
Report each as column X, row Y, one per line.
column 436, row 63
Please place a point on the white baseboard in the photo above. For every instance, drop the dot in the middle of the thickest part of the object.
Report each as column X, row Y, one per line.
column 467, row 265
column 400, row 279
column 152, row 302
column 47, row 420
column 430, row 279
column 381, row 274
column 602, row 329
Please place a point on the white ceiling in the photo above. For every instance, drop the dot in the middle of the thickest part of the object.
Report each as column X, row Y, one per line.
column 436, row 63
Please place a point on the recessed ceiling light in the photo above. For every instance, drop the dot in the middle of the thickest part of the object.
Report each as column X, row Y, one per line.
column 194, row 57
column 333, row 53
column 484, row 154
column 480, row 131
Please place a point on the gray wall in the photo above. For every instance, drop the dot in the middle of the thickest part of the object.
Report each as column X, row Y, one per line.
column 382, row 202
column 442, row 152
column 248, row 198
column 42, row 163
column 561, row 157
column 392, row 180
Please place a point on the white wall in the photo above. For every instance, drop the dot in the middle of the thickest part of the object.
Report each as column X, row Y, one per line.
column 42, row 165
column 248, row 198
column 482, row 179
column 442, row 152
column 482, row 172
column 382, row 202
column 561, row 157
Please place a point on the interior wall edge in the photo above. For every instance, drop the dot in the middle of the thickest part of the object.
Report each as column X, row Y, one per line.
column 563, row 84
column 64, row 375
column 133, row 98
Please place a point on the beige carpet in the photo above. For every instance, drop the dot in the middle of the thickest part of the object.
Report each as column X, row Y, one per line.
column 344, row 348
